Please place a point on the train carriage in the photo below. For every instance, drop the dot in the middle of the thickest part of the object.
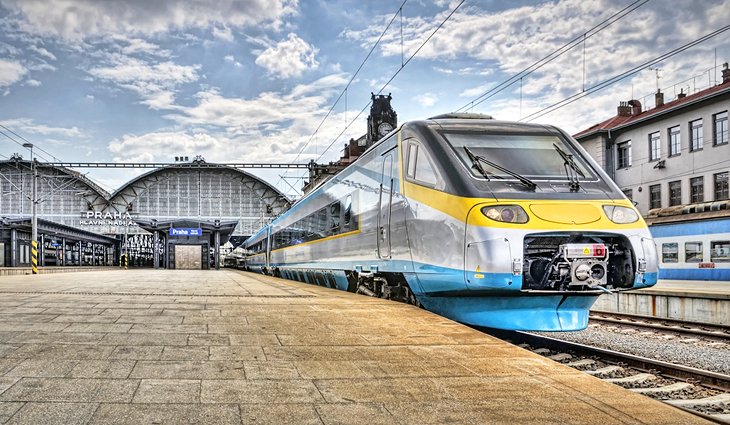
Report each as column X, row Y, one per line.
column 490, row 223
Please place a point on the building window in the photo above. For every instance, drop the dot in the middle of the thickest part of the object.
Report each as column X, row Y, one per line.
column 655, row 196
column 720, row 251
column 629, row 194
column 719, row 136
column 624, row 154
column 675, row 193
column 721, row 187
column 675, row 144
column 670, row 252
column 693, row 252
column 655, row 150
column 697, row 189
column 695, row 135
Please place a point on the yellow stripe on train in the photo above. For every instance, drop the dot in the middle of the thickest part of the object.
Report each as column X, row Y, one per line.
column 552, row 214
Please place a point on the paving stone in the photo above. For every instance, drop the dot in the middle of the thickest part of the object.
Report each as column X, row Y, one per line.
column 329, row 370
column 144, row 339
column 270, row 370
column 136, row 352
column 189, row 414
column 168, row 391
column 251, row 391
column 7, row 365
column 84, row 318
column 99, row 327
column 7, row 349
column 189, row 370
column 279, row 414
column 158, row 328
column 206, row 339
column 354, row 414
column 254, row 339
column 71, row 390
column 53, row 413
column 8, row 409
column 42, row 368
column 118, row 312
column 112, row 369
column 47, row 351
column 57, row 338
column 236, row 352
column 176, row 352
column 166, row 320
column 7, row 382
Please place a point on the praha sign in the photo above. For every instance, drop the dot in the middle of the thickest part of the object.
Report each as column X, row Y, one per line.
column 96, row 218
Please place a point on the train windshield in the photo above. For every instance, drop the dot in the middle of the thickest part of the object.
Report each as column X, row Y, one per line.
column 545, row 157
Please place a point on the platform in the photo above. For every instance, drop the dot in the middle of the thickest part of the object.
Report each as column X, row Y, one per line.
column 689, row 300
column 225, row 347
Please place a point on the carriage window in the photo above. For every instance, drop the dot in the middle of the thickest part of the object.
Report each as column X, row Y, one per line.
column 420, row 166
column 693, row 252
column 412, row 154
column 670, row 253
column 322, row 221
column 348, row 210
column 720, row 251
column 335, row 218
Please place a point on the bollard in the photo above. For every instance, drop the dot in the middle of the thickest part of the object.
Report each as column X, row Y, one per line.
column 34, row 256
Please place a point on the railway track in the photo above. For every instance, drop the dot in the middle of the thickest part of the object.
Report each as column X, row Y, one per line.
column 707, row 330
column 700, row 392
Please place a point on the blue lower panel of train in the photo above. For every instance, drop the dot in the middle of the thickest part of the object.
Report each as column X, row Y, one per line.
column 546, row 312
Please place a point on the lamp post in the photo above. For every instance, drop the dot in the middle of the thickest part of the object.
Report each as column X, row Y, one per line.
column 34, row 211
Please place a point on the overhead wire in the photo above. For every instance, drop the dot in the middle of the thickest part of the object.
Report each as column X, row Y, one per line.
column 580, row 39
column 347, row 86
column 27, row 141
column 390, row 80
column 570, row 99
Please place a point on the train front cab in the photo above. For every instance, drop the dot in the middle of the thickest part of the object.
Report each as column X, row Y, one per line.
column 513, row 234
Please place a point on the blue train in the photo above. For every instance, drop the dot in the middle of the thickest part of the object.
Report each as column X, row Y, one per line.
column 693, row 241
column 490, row 223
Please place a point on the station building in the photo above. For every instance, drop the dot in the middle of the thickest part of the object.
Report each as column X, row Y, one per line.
column 673, row 162
column 175, row 217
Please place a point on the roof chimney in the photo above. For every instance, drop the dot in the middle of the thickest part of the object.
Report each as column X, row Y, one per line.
column 623, row 110
column 681, row 94
column 635, row 106
column 658, row 98
column 725, row 74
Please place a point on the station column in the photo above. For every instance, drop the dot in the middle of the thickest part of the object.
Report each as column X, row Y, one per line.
column 156, row 249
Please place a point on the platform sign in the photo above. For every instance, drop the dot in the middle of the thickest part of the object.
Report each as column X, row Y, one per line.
column 186, row 231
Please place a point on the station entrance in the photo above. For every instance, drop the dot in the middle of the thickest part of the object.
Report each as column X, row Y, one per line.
column 184, row 244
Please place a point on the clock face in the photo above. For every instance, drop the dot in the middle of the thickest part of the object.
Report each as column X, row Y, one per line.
column 384, row 128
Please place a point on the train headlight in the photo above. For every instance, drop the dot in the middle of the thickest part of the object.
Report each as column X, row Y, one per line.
column 620, row 215
column 506, row 213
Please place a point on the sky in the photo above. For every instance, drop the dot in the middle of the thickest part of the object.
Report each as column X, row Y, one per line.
column 259, row 80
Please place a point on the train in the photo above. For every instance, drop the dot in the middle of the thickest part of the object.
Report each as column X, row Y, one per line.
column 491, row 223
column 693, row 241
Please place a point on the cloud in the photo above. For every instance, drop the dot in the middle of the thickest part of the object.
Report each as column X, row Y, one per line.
column 79, row 19
column 266, row 111
column 154, row 82
column 231, row 59
column 425, row 99
column 28, row 125
column 288, row 58
column 223, row 33
column 43, row 52
column 10, row 72
column 33, row 83
column 476, row 91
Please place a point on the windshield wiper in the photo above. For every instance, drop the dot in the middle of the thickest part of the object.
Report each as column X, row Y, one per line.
column 571, row 169
column 477, row 160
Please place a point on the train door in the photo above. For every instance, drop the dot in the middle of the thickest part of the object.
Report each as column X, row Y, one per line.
column 268, row 247
column 385, row 203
